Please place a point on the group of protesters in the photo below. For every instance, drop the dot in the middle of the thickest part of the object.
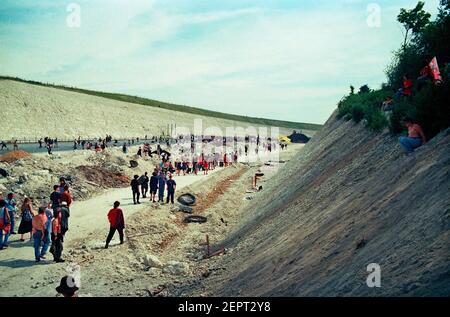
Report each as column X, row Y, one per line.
column 416, row 136
column 45, row 225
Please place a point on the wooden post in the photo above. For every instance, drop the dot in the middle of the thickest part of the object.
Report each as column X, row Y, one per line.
column 208, row 248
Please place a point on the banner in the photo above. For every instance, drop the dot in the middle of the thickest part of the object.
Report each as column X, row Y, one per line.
column 434, row 67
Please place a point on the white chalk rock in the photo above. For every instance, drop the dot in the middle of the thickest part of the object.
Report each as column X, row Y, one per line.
column 176, row 268
column 152, row 261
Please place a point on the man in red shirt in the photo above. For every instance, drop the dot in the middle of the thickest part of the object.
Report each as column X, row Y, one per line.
column 66, row 196
column 117, row 222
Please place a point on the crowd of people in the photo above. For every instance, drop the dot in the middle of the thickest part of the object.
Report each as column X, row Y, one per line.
column 46, row 224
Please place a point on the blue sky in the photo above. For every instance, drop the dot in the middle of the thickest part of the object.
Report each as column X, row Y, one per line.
column 288, row 60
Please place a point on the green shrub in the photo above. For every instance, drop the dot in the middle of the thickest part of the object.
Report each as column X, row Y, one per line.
column 429, row 107
column 357, row 113
column 376, row 120
column 365, row 106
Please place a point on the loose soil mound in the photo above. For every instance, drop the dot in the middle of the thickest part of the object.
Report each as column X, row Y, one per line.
column 14, row 156
column 103, row 177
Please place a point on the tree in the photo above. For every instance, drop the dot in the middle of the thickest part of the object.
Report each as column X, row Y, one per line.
column 414, row 20
column 364, row 89
column 352, row 90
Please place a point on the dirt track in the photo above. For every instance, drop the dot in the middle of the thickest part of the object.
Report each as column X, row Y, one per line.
column 153, row 229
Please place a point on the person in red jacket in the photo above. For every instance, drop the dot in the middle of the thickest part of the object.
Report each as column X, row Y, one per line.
column 117, row 222
column 205, row 167
column 406, row 90
column 66, row 196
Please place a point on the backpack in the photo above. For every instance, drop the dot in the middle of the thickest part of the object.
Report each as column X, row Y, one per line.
column 5, row 224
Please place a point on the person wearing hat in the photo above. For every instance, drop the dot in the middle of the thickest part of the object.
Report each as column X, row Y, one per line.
column 65, row 214
column 67, row 287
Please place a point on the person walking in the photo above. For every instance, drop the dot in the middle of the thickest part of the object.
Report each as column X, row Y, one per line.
column 38, row 223
column 4, row 146
column 117, row 222
column 171, row 187
column 135, row 189
column 27, row 217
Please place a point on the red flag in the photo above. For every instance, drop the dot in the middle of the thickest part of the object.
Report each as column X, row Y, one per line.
column 435, row 70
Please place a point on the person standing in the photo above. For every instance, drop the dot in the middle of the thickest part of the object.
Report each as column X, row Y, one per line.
column 38, row 224
column 27, row 217
column 205, row 167
column 135, row 189
column 117, row 222
column 66, row 196
column 57, row 237
column 11, row 206
column 161, row 187
column 65, row 214
column 153, row 187
column 171, row 187
column 4, row 225
column 143, row 180
column 55, row 198
column 47, row 230
column 62, row 183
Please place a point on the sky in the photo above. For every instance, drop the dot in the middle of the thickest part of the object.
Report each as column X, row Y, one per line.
column 286, row 59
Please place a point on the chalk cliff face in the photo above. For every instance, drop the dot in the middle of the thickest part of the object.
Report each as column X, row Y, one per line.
column 351, row 198
column 31, row 112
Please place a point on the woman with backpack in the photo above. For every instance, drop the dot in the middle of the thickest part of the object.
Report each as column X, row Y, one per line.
column 26, row 225
column 5, row 224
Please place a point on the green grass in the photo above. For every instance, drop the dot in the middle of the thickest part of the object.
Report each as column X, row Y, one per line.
column 174, row 107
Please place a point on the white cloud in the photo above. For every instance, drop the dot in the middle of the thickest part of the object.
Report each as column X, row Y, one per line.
column 292, row 65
